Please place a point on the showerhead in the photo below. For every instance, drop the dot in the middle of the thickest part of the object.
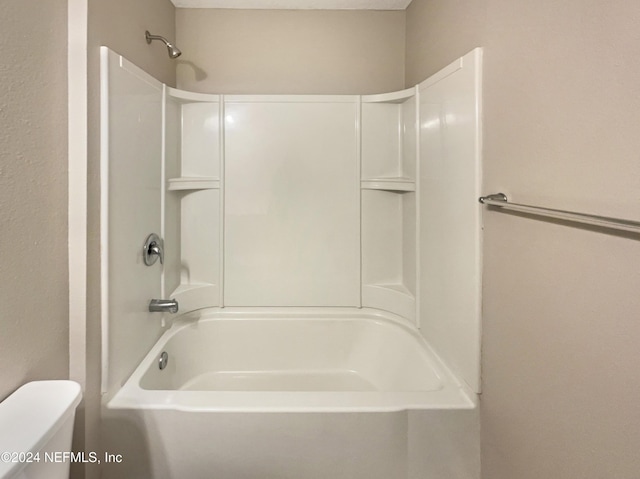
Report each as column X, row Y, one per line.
column 174, row 52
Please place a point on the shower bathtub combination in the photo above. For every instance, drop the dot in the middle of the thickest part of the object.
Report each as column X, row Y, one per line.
column 325, row 260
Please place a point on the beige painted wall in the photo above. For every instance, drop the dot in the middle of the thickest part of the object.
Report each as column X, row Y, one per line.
column 120, row 25
column 290, row 51
column 33, row 193
column 561, row 304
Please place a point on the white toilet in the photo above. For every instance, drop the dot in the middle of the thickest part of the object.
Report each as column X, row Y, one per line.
column 36, row 421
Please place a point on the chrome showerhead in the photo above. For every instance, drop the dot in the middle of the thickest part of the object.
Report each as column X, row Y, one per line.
column 174, row 52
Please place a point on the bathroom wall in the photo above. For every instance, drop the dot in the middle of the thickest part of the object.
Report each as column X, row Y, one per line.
column 120, row 25
column 290, row 51
column 561, row 304
column 33, row 193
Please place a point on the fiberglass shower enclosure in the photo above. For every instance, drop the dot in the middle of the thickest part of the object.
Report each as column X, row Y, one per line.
column 275, row 202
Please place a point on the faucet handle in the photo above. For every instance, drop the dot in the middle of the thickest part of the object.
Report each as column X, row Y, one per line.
column 156, row 249
column 153, row 249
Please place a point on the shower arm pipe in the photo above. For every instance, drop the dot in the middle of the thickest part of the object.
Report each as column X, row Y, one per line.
column 500, row 200
column 151, row 37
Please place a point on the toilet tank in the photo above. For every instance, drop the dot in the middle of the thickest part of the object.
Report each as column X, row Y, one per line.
column 36, row 421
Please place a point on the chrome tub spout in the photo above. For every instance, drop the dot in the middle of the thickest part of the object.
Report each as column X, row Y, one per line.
column 163, row 306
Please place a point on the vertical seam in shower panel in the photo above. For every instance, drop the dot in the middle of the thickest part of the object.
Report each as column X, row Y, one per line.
column 478, row 68
column 417, row 200
column 359, row 190
column 163, row 182
column 400, row 172
column 221, row 193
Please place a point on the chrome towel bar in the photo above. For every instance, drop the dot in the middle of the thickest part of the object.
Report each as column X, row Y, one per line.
column 500, row 200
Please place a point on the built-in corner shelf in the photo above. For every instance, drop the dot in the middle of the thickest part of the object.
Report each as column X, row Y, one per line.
column 393, row 97
column 196, row 296
column 193, row 183
column 183, row 96
column 390, row 297
column 398, row 184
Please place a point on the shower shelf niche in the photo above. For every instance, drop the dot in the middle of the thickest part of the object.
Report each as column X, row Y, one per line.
column 388, row 192
column 191, row 296
column 182, row 96
column 393, row 296
column 193, row 183
column 393, row 97
column 398, row 183
column 193, row 172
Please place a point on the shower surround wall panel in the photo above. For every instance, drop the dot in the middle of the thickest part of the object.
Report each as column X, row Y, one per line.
column 131, row 182
column 450, row 218
column 319, row 201
column 292, row 235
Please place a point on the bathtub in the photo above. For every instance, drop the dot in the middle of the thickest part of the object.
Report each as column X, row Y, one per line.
column 344, row 360
column 291, row 394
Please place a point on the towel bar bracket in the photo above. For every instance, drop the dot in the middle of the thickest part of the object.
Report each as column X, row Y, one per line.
column 493, row 197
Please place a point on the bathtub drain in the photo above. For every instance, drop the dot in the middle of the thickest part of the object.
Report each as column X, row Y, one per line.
column 164, row 359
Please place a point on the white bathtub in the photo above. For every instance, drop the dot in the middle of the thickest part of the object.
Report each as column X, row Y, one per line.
column 342, row 360
column 294, row 394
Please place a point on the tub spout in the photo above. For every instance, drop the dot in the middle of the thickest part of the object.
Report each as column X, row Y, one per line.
column 163, row 305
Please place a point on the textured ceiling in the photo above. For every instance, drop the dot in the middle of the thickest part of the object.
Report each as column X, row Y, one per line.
column 297, row 4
